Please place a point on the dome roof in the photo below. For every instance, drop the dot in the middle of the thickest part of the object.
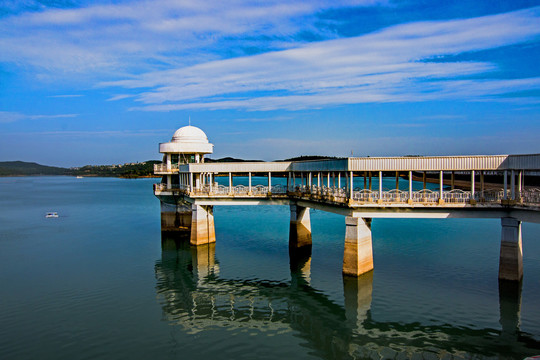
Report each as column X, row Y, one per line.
column 190, row 134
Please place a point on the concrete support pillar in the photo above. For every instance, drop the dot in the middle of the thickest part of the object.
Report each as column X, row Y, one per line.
column 175, row 217
column 230, row 184
column 328, row 180
column 319, row 179
column 511, row 259
column 300, row 227
column 169, row 182
column 249, row 183
column 310, row 181
column 358, row 254
column 339, row 180
column 202, row 225
column 190, row 182
column 197, row 158
column 269, row 183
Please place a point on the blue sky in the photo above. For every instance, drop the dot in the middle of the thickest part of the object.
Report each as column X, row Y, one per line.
column 102, row 82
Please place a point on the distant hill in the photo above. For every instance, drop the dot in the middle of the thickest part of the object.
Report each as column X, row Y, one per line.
column 21, row 168
column 131, row 170
column 228, row 159
column 312, row 157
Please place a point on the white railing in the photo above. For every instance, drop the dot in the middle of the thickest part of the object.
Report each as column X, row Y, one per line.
column 162, row 168
column 335, row 194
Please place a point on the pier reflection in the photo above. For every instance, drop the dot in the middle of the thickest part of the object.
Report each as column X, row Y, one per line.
column 194, row 297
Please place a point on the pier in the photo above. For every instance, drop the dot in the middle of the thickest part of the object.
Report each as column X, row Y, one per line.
column 190, row 190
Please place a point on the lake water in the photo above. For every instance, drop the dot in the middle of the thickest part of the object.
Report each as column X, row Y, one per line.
column 96, row 283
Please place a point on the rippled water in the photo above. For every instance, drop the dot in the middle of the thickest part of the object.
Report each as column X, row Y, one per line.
column 97, row 283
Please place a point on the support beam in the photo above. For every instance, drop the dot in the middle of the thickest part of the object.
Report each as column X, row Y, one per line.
column 300, row 227
column 511, row 259
column 358, row 253
column 202, row 225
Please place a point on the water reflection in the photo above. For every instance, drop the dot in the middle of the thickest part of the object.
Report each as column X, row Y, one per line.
column 194, row 297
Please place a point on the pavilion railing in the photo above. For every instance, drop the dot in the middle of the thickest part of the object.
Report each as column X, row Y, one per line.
column 530, row 196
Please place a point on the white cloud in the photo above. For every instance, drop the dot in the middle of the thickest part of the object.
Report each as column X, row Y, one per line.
column 133, row 35
column 400, row 63
column 7, row 117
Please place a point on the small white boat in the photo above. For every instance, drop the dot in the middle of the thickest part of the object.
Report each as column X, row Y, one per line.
column 79, row 177
column 51, row 215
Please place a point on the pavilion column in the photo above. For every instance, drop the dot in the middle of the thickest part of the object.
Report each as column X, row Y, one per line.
column 269, row 183
column 310, row 181
column 453, row 180
column 380, row 200
column 441, row 187
column 351, row 186
column 230, row 184
column 365, row 179
column 410, row 201
column 190, row 182
column 210, row 180
column 169, row 182
column 202, row 225
column 249, row 183
column 328, row 180
column 505, row 186
column 168, row 159
column 513, row 185
column 339, row 180
column 519, row 183
column 511, row 257
column 472, row 200
column 424, row 179
column 370, row 179
column 397, row 180
column 300, row 227
column 482, row 185
column 358, row 253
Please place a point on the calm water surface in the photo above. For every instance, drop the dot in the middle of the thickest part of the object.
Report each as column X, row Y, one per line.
column 96, row 283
